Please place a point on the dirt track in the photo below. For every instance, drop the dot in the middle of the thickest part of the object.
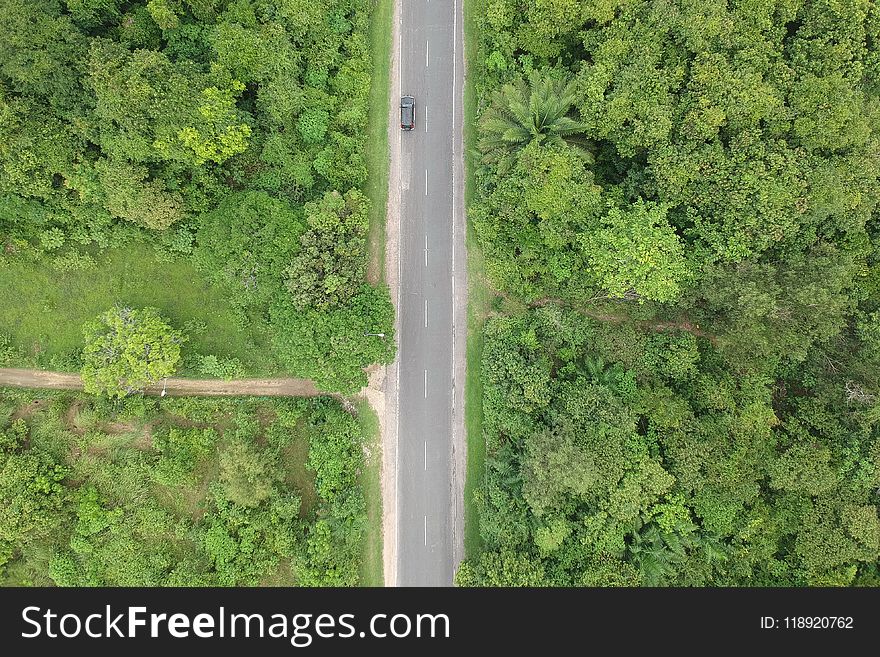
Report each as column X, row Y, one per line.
column 200, row 387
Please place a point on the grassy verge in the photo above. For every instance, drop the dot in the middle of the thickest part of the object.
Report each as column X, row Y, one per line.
column 371, row 561
column 479, row 300
column 45, row 321
column 376, row 189
column 377, row 136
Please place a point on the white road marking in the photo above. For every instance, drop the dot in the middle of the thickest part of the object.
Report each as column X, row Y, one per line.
column 426, row 313
column 426, row 384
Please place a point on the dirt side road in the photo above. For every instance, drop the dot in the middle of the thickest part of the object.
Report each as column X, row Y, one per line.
column 388, row 412
column 206, row 387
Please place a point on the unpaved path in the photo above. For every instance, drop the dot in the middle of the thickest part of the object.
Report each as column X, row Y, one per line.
column 383, row 390
column 21, row 378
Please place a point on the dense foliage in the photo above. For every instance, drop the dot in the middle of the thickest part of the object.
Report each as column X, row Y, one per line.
column 681, row 388
column 627, row 456
column 182, row 492
column 231, row 131
column 127, row 350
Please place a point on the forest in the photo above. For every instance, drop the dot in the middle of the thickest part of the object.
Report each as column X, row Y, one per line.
column 676, row 202
column 206, row 158
column 185, row 189
column 182, row 492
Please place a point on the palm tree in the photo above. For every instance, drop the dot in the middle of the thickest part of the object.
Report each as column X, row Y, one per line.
column 656, row 554
column 522, row 112
column 595, row 366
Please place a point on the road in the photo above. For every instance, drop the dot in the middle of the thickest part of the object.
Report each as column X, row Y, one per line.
column 431, row 357
column 22, row 378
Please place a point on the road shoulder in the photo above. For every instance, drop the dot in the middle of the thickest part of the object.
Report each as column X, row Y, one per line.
column 388, row 413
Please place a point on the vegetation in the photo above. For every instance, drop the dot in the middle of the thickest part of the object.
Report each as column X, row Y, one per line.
column 179, row 492
column 229, row 134
column 679, row 382
column 44, row 326
column 479, row 297
column 372, row 565
column 127, row 350
column 523, row 112
column 377, row 136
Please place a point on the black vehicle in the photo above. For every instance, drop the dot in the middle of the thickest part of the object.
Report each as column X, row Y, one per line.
column 407, row 113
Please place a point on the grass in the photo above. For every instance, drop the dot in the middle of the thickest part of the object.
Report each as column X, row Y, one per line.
column 479, row 301
column 372, row 572
column 376, row 189
column 377, row 136
column 297, row 475
column 43, row 310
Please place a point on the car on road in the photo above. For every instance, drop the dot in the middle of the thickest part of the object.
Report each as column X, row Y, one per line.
column 407, row 113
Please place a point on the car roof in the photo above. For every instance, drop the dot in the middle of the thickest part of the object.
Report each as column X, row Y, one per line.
column 409, row 98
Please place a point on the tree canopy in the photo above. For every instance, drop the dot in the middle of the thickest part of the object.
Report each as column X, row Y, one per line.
column 194, row 492
column 231, row 133
column 679, row 372
column 127, row 350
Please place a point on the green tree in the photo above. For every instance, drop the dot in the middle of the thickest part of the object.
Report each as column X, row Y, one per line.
column 804, row 467
column 129, row 194
column 636, row 254
column 331, row 347
column 33, row 494
column 549, row 25
column 42, row 54
column 246, row 52
column 93, row 13
column 555, row 467
column 162, row 11
column 331, row 264
column 180, row 451
column 533, row 221
column 247, row 241
column 127, row 350
column 152, row 109
column 525, row 111
column 36, row 149
column 501, row 569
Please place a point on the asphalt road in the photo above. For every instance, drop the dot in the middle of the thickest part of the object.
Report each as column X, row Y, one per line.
column 428, row 490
